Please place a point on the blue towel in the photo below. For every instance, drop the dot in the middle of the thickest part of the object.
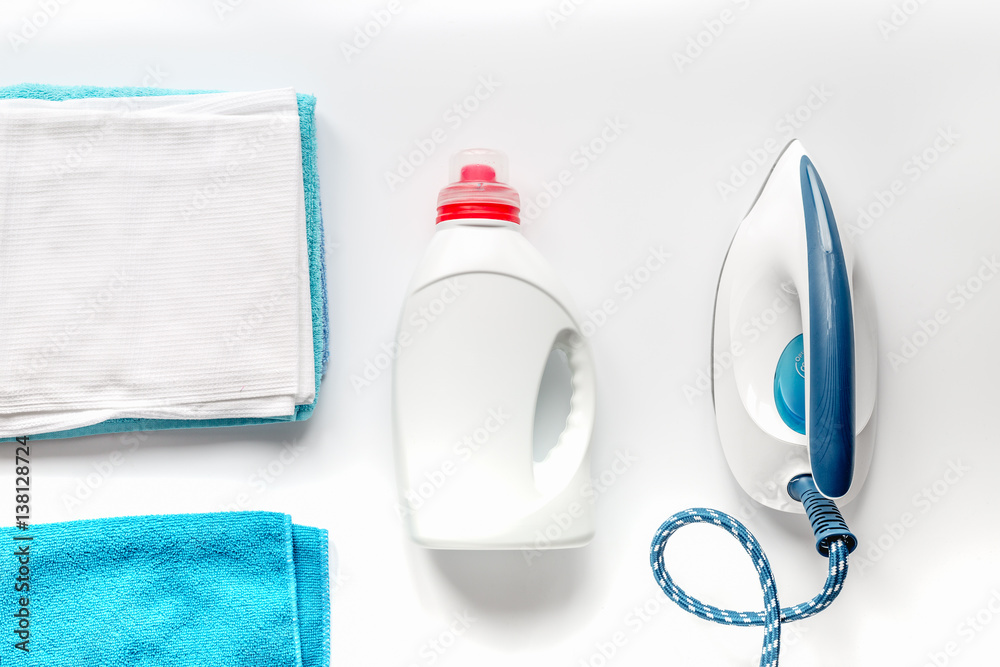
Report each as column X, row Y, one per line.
column 314, row 237
column 234, row 589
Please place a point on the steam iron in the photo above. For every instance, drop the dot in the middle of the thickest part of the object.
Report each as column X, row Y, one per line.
column 794, row 345
column 794, row 355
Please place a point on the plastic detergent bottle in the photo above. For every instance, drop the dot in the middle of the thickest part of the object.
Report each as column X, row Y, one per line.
column 481, row 317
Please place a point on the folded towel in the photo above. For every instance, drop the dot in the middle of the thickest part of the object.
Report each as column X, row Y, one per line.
column 161, row 258
column 234, row 589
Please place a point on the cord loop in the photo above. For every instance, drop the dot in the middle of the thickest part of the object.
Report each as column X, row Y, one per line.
column 773, row 615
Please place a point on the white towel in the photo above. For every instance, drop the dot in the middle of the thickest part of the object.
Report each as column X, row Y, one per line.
column 153, row 260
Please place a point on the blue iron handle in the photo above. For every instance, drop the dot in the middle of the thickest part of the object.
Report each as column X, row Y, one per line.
column 830, row 351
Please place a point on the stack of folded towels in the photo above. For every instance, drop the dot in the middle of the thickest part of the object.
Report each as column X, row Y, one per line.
column 246, row 589
column 160, row 259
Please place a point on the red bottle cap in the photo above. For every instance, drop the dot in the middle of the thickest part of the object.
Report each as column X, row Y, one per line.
column 479, row 188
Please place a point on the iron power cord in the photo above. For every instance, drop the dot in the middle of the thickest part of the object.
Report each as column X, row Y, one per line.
column 833, row 539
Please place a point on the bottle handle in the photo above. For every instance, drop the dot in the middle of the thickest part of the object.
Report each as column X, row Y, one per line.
column 563, row 461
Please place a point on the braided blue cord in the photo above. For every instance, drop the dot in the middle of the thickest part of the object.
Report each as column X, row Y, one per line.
column 771, row 618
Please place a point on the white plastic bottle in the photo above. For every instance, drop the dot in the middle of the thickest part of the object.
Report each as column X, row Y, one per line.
column 481, row 317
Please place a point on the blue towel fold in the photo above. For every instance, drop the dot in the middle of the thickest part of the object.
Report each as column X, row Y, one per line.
column 314, row 240
column 233, row 589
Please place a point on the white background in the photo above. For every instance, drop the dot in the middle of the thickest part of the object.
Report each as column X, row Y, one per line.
column 687, row 128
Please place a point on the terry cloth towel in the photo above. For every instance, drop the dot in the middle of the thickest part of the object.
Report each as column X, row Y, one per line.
column 161, row 260
column 233, row 589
